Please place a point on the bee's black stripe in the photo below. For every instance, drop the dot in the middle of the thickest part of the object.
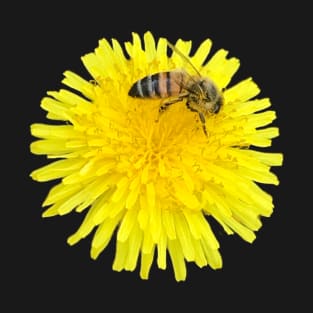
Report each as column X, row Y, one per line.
column 168, row 83
column 152, row 86
column 134, row 91
column 155, row 84
column 149, row 86
column 144, row 84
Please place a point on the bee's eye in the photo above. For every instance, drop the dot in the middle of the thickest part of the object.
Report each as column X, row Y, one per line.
column 218, row 105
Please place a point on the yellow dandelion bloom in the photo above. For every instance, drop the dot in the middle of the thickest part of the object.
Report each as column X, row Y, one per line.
column 155, row 179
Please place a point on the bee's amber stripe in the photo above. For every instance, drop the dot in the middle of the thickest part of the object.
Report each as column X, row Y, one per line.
column 175, row 83
column 169, row 84
column 163, row 84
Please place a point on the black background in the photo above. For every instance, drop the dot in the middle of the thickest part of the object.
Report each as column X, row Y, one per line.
column 42, row 272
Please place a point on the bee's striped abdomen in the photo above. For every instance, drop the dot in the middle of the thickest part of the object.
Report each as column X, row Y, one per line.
column 160, row 85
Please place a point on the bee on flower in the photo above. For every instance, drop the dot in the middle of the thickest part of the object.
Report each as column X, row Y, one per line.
column 201, row 93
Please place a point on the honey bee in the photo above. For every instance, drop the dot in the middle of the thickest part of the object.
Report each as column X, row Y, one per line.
column 201, row 93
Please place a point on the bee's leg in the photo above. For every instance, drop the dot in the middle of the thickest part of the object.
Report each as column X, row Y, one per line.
column 190, row 108
column 202, row 118
column 166, row 104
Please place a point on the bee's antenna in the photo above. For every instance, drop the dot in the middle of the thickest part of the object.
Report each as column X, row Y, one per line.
column 183, row 56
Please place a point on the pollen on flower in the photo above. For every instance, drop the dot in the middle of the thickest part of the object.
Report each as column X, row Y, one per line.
column 155, row 178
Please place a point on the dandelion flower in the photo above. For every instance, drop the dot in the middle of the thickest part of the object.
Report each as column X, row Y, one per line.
column 151, row 183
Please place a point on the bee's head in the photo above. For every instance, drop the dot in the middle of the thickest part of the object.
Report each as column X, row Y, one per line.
column 212, row 98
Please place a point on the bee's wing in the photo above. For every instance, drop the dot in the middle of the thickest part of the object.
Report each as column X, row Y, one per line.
column 187, row 83
column 184, row 82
